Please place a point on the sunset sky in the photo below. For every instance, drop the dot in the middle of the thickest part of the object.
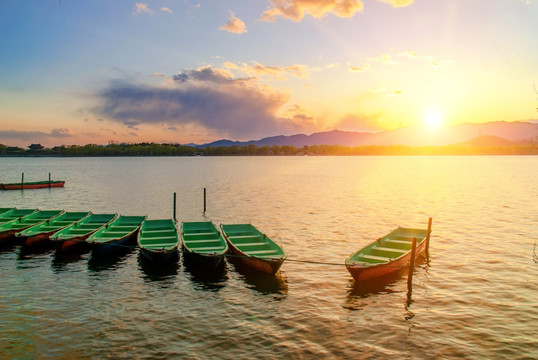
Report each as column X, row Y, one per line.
column 182, row 71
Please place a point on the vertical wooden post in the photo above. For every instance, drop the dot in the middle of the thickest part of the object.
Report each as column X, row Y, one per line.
column 174, row 206
column 49, row 180
column 22, row 181
column 412, row 265
column 205, row 200
column 428, row 236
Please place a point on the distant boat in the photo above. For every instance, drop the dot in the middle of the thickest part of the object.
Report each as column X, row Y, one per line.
column 158, row 239
column 253, row 248
column 72, row 238
column 203, row 244
column 32, row 185
column 15, row 214
column 39, row 234
column 386, row 255
column 116, row 236
column 8, row 229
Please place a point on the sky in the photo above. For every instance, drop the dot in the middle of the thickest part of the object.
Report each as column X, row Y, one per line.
column 76, row 72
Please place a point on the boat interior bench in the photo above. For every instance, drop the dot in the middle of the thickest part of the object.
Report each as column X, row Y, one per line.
column 245, row 239
column 199, row 236
column 374, row 259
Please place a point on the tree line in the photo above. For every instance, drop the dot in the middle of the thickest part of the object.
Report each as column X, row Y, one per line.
column 153, row 149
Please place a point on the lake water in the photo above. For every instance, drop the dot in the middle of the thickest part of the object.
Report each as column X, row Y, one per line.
column 476, row 296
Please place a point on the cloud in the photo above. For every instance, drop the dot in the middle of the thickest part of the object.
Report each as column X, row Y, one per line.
column 415, row 56
column 207, row 74
column 278, row 72
column 206, row 97
column 398, row 3
column 142, row 9
column 385, row 58
column 165, row 9
column 234, row 25
column 35, row 135
column 364, row 68
column 296, row 9
column 60, row 133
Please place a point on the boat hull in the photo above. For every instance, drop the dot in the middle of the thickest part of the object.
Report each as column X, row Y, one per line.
column 268, row 266
column 8, row 239
column 206, row 261
column 156, row 256
column 365, row 273
column 32, row 185
column 36, row 244
column 113, row 247
column 37, row 241
column 76, row 245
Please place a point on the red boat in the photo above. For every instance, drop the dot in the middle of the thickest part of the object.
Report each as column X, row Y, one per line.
column 32, row 185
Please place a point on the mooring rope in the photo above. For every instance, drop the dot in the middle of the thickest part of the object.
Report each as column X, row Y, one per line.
column 226, row 255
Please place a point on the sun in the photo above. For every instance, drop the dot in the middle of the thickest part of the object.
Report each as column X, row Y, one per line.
column 433, row 119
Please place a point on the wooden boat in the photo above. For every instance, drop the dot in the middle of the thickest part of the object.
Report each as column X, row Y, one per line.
column 32, row 185
column 3, row 210
column 38, row 235
column 203, row 243
column 254, row 248
column 10, row 228
column 158, row 239
column 72, row 238
column 116, row 236
column 387, row 255
column 15, row 214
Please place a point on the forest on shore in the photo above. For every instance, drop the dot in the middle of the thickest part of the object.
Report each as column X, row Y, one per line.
column 153, row 149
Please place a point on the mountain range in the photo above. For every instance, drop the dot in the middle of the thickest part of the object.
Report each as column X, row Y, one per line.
column 479, row 134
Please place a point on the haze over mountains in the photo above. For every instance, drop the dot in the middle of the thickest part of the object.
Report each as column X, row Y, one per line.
column 492, row 133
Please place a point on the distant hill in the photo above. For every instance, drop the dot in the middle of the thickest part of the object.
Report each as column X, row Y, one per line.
column 487, row 141
column 488, row 133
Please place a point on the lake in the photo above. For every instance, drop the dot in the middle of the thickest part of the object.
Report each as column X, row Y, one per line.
column 475, row 297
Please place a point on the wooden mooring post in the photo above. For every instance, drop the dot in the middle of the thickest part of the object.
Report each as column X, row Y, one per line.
column 412, row 265
column 175, row 206
column 49, row 180
column 22, row 181
column 205, row 196
column 428, row 236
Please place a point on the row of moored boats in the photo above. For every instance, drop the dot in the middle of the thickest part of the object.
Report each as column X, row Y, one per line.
column 158, row 240
column 202, row 242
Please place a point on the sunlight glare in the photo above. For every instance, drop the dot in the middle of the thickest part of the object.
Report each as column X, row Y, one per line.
column 433, row 119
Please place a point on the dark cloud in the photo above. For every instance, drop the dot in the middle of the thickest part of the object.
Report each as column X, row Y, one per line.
column 204, row 97
column 208, row 74
column 35, row 135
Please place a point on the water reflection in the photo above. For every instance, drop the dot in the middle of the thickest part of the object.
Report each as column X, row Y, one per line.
column 159, row 271
column 27, row 252
column 261, row 282
column 60, row 260
column 212, row 278
column 98, row 262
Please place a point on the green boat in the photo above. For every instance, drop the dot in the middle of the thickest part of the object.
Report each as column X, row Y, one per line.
column 253, row 247
column 158, row 239
column 388, row 254
column 203, row 243
column 117, row 235
column 72, row 238
column 15, row 214
column 3, row 210
column 39, row 234
column 10, row 228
